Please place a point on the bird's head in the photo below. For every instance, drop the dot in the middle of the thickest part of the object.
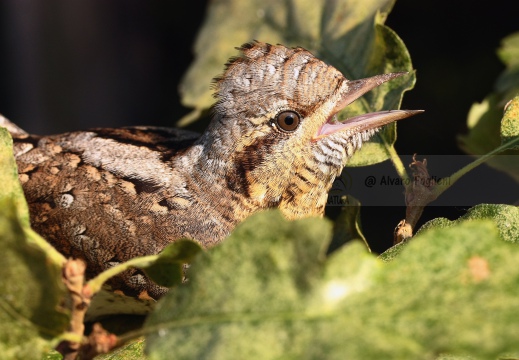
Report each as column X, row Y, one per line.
column 274, row 125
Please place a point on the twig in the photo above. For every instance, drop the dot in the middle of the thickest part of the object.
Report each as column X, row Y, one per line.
column 73, row 278
column 100, row 341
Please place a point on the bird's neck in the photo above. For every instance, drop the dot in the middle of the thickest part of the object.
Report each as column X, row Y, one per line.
column 208, row 163
column 223, row 172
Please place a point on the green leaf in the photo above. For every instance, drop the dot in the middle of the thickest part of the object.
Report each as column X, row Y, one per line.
column 131, row 351
column 508, row 82
column 167, row 270
column 454, row 291
column 52, row 355
column 347, row 226
column 505, row 217
column 510, row 122
column 266, row 257
column 388, row 96
column 12, row 191
column 11, row 188
column 31, row 292
column 347, row 34
column 267, row 292
column 483, row 122
column 393, row 251
column 488, row 128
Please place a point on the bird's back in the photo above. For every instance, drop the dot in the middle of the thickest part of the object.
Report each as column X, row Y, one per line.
column 102, row 195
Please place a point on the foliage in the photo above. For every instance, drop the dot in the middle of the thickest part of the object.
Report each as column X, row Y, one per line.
column 131, row 351
column 31, row 291
column 451, row 290
column 486, row 131
column 505, row 217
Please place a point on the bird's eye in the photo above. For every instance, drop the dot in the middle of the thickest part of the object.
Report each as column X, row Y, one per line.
column 288, row 120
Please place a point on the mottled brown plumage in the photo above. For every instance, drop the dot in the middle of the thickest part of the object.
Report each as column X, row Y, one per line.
column 108, row 195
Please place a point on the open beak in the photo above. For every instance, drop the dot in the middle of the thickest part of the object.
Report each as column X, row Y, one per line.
column 352, row 91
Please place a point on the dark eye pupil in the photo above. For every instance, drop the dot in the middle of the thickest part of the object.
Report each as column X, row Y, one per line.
column 288, row 120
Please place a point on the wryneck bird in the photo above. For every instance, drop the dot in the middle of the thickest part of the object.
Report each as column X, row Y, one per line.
column 108, row 195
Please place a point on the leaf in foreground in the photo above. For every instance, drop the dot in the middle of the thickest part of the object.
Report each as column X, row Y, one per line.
column 347, row 34
column 131, row 351
column 31, row 290
column 505, row 217
column 30, row 293
column 11, row 188
column 268, row 292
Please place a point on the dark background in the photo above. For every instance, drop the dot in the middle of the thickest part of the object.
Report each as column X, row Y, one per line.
column 68, row 65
